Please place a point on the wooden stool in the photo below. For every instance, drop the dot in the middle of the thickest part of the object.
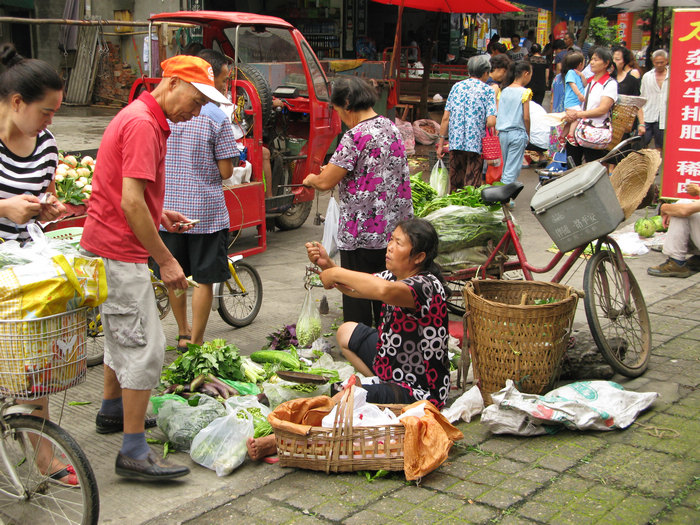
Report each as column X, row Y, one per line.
column 406, row 111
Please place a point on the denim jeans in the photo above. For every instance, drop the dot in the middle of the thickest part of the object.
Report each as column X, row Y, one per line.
column 513, row 144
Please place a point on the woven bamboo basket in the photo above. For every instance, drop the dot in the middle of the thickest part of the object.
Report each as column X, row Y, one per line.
column 624, row 112
column 632, row 178
column 512, row 338
column 343, row 448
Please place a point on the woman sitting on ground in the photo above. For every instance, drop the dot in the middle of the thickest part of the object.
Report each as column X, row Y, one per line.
column 408, row 351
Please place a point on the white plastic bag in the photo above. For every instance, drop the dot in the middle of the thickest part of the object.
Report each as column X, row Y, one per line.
column 256, row 409
column 181, row 423
column 281, row 391
column 221, row 446
column 465, row 406
column 440, row 178
column 584, row 405
column 330, row 227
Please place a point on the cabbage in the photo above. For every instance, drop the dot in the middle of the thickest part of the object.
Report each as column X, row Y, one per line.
column 645, row 227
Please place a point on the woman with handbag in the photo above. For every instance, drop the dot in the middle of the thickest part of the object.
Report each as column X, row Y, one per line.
column 593, row 132
column 470, row 109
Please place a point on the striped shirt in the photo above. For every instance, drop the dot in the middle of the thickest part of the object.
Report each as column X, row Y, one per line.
column 26, row 175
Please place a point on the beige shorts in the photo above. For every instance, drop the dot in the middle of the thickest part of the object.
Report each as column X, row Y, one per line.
column 134, row 338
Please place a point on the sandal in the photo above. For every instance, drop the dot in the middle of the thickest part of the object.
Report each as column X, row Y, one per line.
column 65, row 477
column 183, row 348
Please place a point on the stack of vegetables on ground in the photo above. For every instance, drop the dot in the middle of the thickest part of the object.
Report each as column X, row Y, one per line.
column 74, row 178
column 467, row 227
column 206, row 379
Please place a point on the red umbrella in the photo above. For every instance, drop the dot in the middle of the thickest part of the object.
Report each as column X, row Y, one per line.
column 456, row 6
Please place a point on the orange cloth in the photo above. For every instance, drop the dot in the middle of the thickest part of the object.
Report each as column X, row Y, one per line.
column 427, row 442
column 299, row 415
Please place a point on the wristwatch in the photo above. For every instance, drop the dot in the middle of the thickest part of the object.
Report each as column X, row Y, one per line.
column 443, row 136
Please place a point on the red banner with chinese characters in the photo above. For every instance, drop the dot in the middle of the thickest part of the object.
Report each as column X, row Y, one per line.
column 624, row 29
column 682, row 141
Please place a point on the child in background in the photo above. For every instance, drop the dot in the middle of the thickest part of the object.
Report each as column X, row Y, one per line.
column 574, row 86
column 574, row 81
column 557, row 94
column 513, row 120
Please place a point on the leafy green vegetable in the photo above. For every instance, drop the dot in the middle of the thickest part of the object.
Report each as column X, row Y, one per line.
column 214, row 357
column 548, row 300
column 460, row 227
column 421, row 193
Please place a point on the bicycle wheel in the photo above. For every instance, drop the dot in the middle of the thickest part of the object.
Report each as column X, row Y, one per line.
column 620, row 328
column 455, row 298
column 95, row 344
column 238, row 307
column 43, row 500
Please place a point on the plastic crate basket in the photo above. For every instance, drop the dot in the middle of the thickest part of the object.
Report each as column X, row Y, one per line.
column 71, row 235
column 42, row 356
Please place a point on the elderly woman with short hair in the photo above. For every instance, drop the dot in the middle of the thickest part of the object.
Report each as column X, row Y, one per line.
column 470, row 109
column 371, row 172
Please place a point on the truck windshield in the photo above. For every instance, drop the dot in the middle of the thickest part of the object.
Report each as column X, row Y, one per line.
column 273, row 52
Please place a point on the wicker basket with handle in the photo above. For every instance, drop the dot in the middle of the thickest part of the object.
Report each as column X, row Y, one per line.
column 343, row 448
column 624, row 112
column 512, row 338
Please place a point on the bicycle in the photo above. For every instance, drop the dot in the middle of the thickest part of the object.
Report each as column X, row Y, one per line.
column 613, row 301
column 42, row 356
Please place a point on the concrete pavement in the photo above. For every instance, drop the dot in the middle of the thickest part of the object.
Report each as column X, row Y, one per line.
column 648, row 473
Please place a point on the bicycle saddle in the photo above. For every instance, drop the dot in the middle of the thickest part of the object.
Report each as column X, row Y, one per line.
column 501, row 194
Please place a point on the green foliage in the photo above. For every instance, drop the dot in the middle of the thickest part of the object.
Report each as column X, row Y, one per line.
column 603, row 33
column 214, row 357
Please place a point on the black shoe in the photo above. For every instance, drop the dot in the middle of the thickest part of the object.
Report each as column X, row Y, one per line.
column 153, row 467
column 111, row 424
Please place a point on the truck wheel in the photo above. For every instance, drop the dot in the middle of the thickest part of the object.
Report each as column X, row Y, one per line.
column 295, row 216
column 252, row 75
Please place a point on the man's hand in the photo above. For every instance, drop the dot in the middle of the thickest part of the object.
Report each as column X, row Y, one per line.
column 693, row 189
column 172, row 275
column 51, row 208
column 21, row 208
column 173, row 222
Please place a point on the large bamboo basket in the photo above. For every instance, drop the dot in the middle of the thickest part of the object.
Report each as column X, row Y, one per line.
column 512, row 338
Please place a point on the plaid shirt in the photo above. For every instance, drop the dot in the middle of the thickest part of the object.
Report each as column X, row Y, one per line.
column 192, row 179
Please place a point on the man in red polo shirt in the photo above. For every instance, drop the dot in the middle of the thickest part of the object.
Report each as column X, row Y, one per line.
column 125, row 210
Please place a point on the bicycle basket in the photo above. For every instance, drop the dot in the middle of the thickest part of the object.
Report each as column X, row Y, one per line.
column 42, row 356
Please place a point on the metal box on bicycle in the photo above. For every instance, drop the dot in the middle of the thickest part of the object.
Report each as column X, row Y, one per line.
column 579, row 207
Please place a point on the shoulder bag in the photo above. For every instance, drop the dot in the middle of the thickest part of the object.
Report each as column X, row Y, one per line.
column 591, row 135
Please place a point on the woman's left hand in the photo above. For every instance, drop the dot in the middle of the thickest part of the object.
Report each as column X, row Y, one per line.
column 51, row 208
column 572, row 114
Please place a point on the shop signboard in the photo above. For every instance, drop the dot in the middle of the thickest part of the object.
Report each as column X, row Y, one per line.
column 542, row 27
column 624, row 28
column 682, row 141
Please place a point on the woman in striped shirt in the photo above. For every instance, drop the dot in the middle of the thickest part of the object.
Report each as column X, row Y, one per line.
column 30, row 93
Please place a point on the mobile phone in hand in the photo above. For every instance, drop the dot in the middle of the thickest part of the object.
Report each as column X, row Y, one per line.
column 188, row 223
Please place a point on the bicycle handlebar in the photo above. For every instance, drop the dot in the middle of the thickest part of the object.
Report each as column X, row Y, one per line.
column 619, row 147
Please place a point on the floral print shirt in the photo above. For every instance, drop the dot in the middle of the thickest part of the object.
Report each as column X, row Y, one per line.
column 412, row 344
column 470, row 102
column 375, row 195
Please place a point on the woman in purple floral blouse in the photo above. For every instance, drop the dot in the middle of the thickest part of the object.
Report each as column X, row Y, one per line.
column 371, row 172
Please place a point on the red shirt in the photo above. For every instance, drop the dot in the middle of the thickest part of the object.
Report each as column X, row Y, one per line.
column 132, row 146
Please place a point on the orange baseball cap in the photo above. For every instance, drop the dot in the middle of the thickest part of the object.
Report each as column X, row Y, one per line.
column 197, row 72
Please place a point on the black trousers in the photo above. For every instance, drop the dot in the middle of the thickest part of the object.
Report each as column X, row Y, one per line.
column 368, row 261
column 580, row 154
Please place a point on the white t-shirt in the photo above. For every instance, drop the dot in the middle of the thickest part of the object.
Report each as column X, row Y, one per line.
column 598, row 91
